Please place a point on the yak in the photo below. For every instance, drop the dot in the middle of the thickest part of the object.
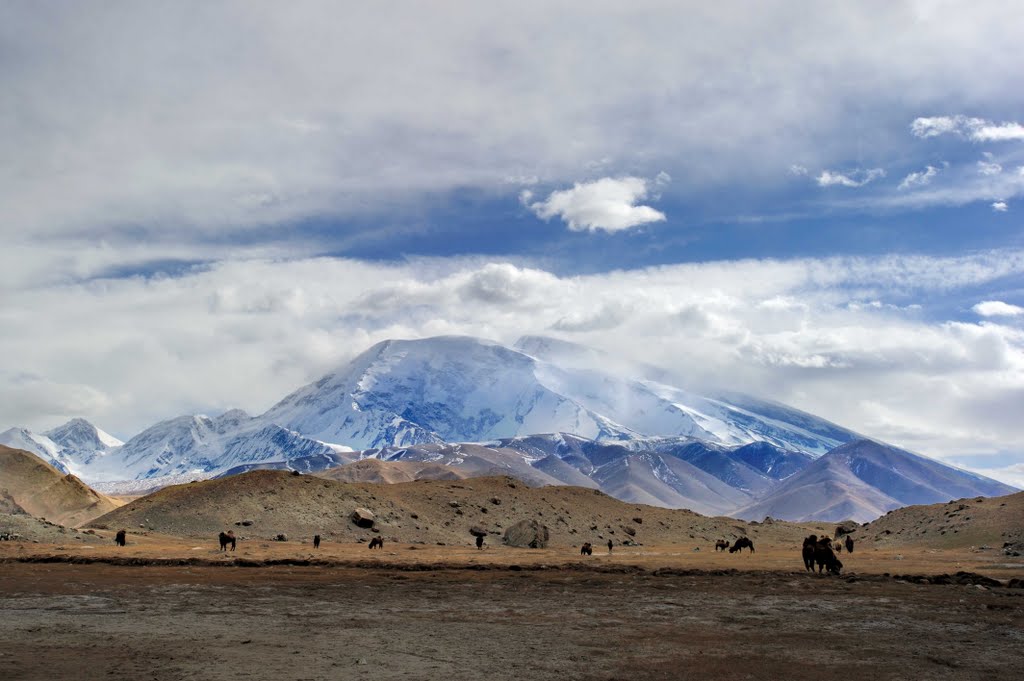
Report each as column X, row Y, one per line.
column 377, row 543
column 849, row 544
column 587, row 549
column 742, row 543
column 316, row 541
column 121, row 537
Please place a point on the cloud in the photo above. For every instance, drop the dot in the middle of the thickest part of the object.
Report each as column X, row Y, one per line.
column 974, row 129
column 989, row 166
column 997, row 308
column 798, row 331
column 173, row 138
column 607, row 204
column 919, row 179
column 855, row 178
column 1000, row 206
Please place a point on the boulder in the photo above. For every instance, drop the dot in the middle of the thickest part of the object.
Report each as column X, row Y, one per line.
column 845, row 527
column 363, row 517
column 477, row 531
column 527, row 534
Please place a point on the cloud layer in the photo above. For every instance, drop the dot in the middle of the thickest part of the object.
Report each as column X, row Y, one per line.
column 849, row 339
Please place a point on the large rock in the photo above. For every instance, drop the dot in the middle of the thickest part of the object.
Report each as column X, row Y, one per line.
column 527, row 534
column 478, row 531
column 363, row 517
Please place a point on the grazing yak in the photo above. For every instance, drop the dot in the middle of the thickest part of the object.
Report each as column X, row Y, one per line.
column 121, row 538
column 742, row 543
column 819, row 551
column 227, row 538
column 377, row 543
column 721, row 545
column 587, row 549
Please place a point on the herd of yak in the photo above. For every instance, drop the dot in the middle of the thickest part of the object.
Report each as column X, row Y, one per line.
column 816, row 551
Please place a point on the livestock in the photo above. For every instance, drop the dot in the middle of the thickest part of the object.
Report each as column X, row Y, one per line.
column 849, row 544
column 377, row 543
column 479, row 541
column 316, row 541
column 121, row 538
column 587, row 549
column 819, row 551
column 838, row 547
column 227, row 538
column 808, row 552
column 742, row 543
column 721, row 545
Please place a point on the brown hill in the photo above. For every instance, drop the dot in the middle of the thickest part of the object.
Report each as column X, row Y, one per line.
column 390, row 472
column 979, row 521
column 29, row 484
column 263, row 503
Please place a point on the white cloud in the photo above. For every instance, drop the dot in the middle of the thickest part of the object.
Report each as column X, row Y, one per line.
column 855, row 178
column 997, row 308
column 608, row 204
column 838, row 336
column 919, row 179
column 1000, row 206
column 974, row 129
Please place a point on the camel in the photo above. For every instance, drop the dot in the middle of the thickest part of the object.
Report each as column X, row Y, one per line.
column 587, row 549
column 819, row 551
column 742, row 543
column 227, row 538
column 121, row 537
column 721, row 545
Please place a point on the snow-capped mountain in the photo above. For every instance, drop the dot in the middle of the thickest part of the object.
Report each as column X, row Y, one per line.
column 460, row 389
column 623, row 427
column 70, row 448
column 862, row 480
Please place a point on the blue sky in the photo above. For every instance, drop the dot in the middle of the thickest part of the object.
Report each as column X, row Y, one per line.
column 205, row 205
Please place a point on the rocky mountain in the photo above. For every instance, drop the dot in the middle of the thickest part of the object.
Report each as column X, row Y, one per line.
column 862, row 480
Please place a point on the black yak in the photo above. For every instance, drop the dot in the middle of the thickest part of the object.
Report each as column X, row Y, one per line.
column 849, row 544
column 121, row 537
column 587, row 549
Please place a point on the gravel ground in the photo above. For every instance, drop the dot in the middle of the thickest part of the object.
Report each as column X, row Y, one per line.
column 98, row 621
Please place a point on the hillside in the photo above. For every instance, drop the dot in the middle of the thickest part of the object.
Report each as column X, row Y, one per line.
column 29, row 484
column 976, row 522
column 425, row 511
column 391, row 472
column 861, row 480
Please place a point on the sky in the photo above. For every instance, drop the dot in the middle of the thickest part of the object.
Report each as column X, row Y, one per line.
column 204, row 206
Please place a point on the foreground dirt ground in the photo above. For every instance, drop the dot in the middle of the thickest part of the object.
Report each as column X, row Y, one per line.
column 101, row 621
column 174, row 608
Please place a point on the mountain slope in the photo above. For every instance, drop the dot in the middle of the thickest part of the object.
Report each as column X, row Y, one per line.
column 32, row 485
column 862, row 480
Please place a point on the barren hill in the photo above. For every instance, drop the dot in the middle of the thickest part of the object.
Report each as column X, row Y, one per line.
column 978, row 522
column 29, row 484
column 390, row 472
column 261, row 504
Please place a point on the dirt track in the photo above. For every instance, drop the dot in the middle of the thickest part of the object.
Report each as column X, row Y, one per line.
column 96, row 621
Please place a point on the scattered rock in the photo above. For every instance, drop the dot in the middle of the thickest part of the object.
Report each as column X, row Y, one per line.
column 363, row 517
column 527, row 534
column 244, row 523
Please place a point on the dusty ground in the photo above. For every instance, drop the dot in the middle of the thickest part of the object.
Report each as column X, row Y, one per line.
column 663, row 612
